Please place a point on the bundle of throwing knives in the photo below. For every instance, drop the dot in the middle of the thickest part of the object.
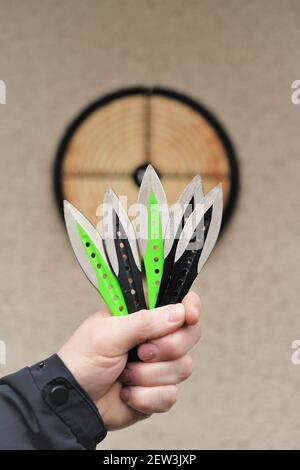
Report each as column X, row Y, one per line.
column 173, row 244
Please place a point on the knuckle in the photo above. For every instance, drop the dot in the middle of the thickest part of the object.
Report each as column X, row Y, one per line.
column 169, row 397
column 143, row 325
column 185, row 368
column 197, row 298
column 198, row 302
column 188, row 366
column 145, row 408
column 136, row 373
column 177, row 350
column 172, row 347
column 198, row 334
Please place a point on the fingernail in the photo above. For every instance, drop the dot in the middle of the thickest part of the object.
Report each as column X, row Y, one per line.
column 126, row 376
column 125, row 394
column 174, row 312
column 148, row 352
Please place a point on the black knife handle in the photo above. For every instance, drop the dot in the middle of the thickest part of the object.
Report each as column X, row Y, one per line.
column 129, row 276
column 169, row 260
column 185, row 269
column 133, row 355
column 182, row 277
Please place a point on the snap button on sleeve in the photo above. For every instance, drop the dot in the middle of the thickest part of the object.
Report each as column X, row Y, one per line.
column 68, row 401
column 59, row 395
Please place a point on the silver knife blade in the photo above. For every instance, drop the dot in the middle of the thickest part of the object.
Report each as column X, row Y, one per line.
column 150, row 183
column 72, row 217
column 113, row 204
column 193, row 191
column 214, row 227
column 213, row 199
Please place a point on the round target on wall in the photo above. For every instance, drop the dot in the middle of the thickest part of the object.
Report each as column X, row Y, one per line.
column 113, row 140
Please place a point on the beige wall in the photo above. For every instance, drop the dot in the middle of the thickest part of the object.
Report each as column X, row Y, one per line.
column 239, row 58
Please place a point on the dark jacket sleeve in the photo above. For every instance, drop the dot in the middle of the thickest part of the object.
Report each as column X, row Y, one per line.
column 43, row 407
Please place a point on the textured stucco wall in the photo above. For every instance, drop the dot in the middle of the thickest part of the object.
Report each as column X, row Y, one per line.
column 239, row 58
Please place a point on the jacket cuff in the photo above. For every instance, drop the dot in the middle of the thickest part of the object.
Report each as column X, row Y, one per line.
column 69, row 401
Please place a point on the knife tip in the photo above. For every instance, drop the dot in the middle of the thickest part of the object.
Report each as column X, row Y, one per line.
column 110, row 196
column 67, row 206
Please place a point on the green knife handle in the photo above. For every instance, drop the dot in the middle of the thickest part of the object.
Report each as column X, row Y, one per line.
column 154, row 254
column 108, row 285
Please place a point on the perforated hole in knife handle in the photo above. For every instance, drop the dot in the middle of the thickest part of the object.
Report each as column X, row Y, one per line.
column 122, row 249
column 108, row 285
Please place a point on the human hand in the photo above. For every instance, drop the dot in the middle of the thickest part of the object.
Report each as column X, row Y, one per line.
column 124, row 392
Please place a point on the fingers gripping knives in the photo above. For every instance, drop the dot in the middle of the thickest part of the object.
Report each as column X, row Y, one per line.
column 196, row 242
column 122, row 252
column 89, row 250
column 191, row 196
column 153, row 219
column 171, row 260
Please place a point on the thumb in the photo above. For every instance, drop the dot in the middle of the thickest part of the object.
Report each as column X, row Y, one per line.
column 139, row 327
